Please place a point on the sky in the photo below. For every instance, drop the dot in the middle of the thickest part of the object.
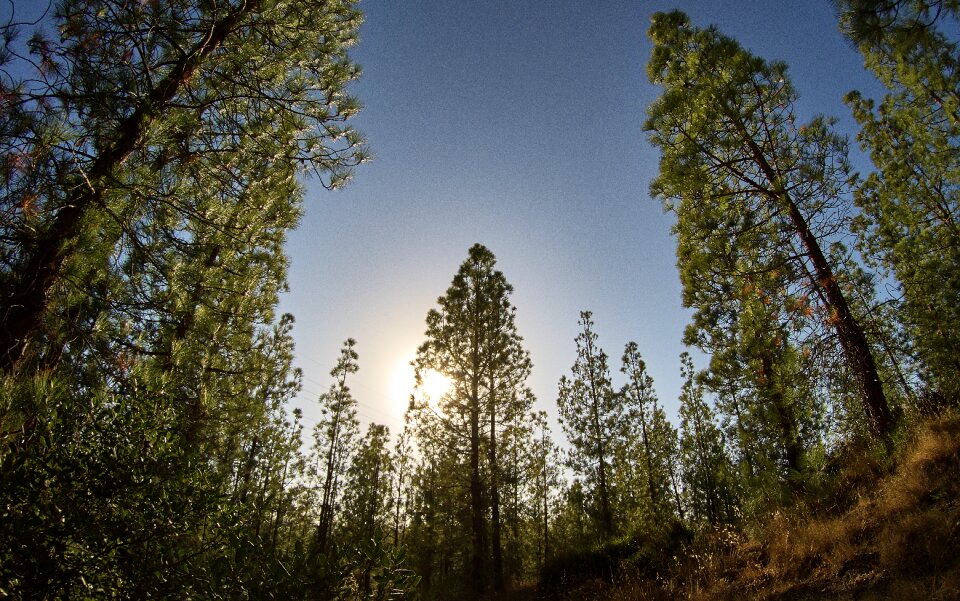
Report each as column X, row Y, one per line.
column 518, row 125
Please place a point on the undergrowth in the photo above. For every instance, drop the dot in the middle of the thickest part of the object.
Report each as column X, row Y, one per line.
column 880, row 530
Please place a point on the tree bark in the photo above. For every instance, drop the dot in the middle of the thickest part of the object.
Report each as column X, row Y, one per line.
column 853, row 341
column 476, row 502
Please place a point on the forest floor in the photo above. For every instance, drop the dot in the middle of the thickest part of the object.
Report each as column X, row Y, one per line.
column 887, row 530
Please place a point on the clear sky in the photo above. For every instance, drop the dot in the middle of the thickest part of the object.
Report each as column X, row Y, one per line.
column 518, row 125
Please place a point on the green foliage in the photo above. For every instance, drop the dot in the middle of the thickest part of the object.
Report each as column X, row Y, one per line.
column 543, row 489
column 649, row 449
column 150, row 154
column 623, row 450
column 760, row 200
column 133, row 116
column 376, row 572
column 470, row 499
column 366, row 499
column 334, row 437
column 149, row 163
column 710, row 488
column 910, row 205
column 645, row 556
column 593, row 418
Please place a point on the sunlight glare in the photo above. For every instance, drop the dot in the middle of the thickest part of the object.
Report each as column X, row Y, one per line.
column 403, row 383
column 435, row 385
column 432, row 389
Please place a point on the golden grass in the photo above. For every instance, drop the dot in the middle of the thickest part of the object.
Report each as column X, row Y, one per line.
column 884, row 533
column 899, row 538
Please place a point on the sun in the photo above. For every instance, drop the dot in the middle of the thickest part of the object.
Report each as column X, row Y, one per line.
column 434, row 385
column 432, row 388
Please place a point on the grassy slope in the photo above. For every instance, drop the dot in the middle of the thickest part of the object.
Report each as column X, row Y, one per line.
column 885, row 533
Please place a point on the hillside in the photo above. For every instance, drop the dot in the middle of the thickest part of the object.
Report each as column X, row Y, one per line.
column 881, row 532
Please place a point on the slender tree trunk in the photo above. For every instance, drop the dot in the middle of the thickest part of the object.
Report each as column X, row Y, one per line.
column 654, row 505
column 476, row 499
column 852, row 338
column 429, row 519
column 851, row 335
column 326, row 505
column 476, row 482
column 546, row 497
column 371, row 529
column 495, row 499
column 606, row 517
column 676, row 491
column 398, row 500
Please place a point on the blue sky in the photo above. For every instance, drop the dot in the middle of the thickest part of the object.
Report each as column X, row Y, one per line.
column 519, row 126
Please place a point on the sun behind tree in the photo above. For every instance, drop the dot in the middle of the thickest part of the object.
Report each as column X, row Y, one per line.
column 473, row 340
column 433, row 386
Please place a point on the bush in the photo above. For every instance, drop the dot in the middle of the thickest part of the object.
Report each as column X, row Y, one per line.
column 643, row 555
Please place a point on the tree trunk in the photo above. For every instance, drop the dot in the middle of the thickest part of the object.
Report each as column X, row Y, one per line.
column 606, row 519
column 852, row 339
column 476, row 500
column 546, row 497
column 654, row 505
column 326, row 506
column 495, row 501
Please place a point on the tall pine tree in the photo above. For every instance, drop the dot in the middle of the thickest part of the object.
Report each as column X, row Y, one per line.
column 758, row 197
column 472, row 340
column 592, row 416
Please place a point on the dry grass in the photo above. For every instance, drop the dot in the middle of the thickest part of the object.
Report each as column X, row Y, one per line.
column 897, row 538
column 889, row 533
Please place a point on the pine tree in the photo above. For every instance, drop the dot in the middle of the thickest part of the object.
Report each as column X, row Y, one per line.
column 334, row 437
column 131, row 103
column 545, row 469
column 707, row 476
column 756, row 196
column 400, row 484
column 366, row 503
column 472, row 340
column 592, row 416
column 149, row 164
column 911, row 204
column 366, row 500
column 650, row 453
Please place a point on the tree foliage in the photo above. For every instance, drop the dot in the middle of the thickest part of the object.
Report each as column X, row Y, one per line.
column 758, row 198
column 710, row 493
column 592, row 416
column 911, row 203
column 149, row 163
column 128, row 114
column 472, row 340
